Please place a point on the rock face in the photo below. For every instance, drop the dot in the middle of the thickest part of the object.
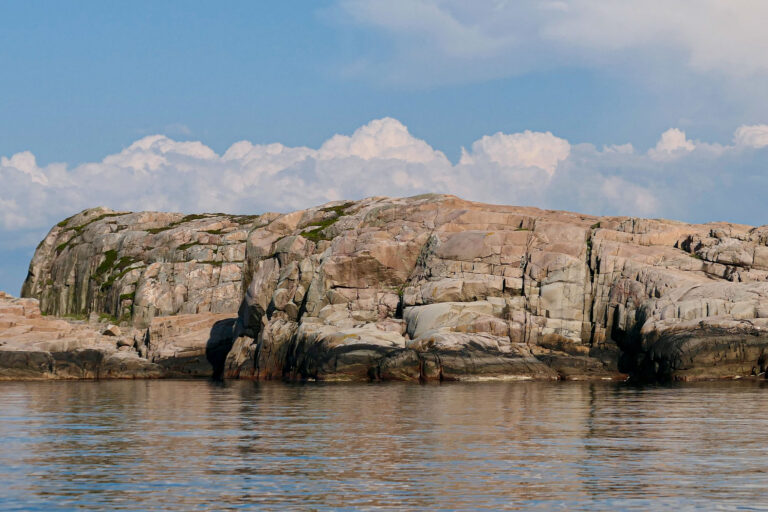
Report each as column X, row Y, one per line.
column 439, row 288
column 140, row 265
column 422, row 288
column 36, row 347
column 33, row 346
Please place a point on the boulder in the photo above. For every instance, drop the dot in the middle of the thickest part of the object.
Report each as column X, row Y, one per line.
column 111, row 330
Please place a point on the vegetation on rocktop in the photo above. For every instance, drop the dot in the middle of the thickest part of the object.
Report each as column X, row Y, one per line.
column 238, row 219
column 187, row 218
column 79, row 229
column 244, row 219
column 65, row 221
column 317, row 234
column 340, row 209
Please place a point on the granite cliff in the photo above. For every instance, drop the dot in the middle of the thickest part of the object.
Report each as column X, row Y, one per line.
column 422, row 288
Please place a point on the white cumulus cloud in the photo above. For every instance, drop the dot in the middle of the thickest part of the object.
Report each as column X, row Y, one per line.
column 677, row 178
column 519, row 150
column 382, row 138
column 755, row 136
column 673, row 143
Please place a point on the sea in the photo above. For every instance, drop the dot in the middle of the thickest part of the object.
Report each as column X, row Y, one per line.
column 242, row 445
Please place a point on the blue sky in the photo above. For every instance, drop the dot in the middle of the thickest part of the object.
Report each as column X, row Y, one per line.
column 543, row 96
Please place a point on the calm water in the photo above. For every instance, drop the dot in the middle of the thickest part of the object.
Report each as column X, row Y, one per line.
column 194, row 445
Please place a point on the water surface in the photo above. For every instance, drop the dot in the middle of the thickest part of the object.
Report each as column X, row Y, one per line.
column 195, row 445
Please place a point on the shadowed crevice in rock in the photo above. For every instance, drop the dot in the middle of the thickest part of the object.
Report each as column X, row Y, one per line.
column 219, row 345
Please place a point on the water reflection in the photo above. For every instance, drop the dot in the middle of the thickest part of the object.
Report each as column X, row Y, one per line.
column 154, row 445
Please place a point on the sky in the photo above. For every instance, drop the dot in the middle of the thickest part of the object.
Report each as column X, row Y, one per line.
column 650, row 108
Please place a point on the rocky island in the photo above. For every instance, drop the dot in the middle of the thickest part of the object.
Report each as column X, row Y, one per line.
column 425, row 288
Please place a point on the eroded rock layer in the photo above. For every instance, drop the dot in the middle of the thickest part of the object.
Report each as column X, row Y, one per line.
column 423, row 288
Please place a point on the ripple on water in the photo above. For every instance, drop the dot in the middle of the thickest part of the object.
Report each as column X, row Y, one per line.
column 194, row 445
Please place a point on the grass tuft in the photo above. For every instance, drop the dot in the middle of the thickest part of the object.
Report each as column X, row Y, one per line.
column 317, row 234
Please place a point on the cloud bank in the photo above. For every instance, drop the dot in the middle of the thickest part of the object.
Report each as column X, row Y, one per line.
column 678, row 178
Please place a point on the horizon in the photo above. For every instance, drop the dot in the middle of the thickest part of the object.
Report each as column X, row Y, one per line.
column 601, row 110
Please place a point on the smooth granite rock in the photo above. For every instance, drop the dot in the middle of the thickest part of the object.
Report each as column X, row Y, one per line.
column 423, row 288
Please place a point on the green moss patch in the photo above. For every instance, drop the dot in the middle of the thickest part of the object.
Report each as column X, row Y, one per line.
column 65, row 221
column 114, row 267
column 316, row 234
column 244, row 219
column 128, row 296
column 114, row 277
column 75, row 316
column 124, row 262
column 340, row 209
column 185, row 219
column 184, row 247
column 195, row 216
column 79, row 229
column 154, row 231
column 109, row 260
column 109, row 318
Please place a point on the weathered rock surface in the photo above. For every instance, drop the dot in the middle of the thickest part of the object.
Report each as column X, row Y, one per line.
column 33, row 346
column 439, row 288
column 36, row 347
column 135, row 266
column 423, row 288
column 182, row 345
